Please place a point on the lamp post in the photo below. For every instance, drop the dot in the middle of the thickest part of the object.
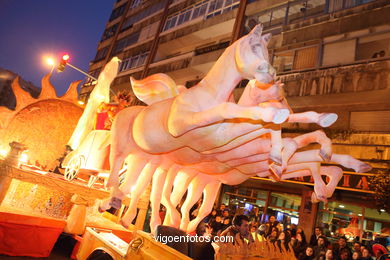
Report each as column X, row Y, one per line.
column 65, row 62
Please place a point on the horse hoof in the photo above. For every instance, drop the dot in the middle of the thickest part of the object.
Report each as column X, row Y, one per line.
column 327, row 119
column 325, row 156
column 276, row 159
column 281, row 116
column 116, row 203
column 276, row 172
column 364, row 167
column 124, row 224
column 314, row 198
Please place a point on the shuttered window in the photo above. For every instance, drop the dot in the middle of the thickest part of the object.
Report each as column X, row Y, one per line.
column 306, row 58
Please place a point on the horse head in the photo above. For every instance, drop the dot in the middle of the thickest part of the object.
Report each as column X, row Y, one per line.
column 262, row 92
column 251, row 56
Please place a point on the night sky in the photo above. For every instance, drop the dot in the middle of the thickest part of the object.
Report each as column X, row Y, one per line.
column 31, row 29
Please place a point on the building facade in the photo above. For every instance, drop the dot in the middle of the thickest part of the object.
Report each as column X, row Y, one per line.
column 332, row 55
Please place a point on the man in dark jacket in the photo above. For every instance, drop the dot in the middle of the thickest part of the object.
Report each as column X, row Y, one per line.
column 341, row 247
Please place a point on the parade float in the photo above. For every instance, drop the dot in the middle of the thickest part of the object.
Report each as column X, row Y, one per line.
column 190, row 141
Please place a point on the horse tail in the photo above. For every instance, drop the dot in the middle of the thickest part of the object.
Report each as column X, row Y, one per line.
column 154, row 88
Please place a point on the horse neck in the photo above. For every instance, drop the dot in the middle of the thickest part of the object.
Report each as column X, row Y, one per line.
column 223, row 77
column 245, row 98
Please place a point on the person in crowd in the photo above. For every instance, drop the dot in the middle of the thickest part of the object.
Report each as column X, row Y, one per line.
column 357, row 248
column 299, row 244
column 274, row 235
column 328, row 255
column 340, row 246
column 321, row 247
column 203, row 229
column 272, row 223
column 254, row 217
column 225, row 213
column 221, row 208
column 253, row 227
column 315, row 236
column 366, row 254
column 355, row 256
column 216, row 225
column 293, row 230
column 240, row 226
column 210, row 217
column 284, row 240
column 345, row 254
column 225, row 223
column 308, row 254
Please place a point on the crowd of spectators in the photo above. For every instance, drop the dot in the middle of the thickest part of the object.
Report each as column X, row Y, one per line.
column 222, row 221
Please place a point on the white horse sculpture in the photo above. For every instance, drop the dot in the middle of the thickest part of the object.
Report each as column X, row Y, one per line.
column 198, row 132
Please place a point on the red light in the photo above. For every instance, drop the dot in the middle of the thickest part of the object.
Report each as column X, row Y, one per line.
column 65, row 57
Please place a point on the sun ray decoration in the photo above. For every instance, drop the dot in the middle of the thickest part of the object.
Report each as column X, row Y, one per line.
column 43, row 124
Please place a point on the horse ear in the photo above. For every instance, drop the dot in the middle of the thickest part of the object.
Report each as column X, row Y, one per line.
column 257, row 30
column 267, row 37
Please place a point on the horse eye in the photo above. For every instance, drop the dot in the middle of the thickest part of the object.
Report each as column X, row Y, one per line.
column 261, row 68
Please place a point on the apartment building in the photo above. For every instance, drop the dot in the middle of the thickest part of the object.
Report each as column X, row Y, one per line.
column 332, row 55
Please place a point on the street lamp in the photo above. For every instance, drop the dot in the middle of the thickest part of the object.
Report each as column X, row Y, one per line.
column 51, row 62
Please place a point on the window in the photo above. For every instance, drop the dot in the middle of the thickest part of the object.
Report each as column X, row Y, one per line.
column 117, row 12
column 204, row 9
column 128, row 23
column 351, row 220
column 283, row 61
column 109, row 32
column 305, row 58
column 133, row 62
column 124, row 42
column 135, row 3
column 285, row 201
column 336, row 5
column 374, row 46
column 101, row 54
column 339, row 53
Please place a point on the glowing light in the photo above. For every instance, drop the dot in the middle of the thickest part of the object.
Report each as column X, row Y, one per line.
column 3, row 153
column 80, row 102
column 382, row 210
column 341, row 206
column 360, row 215
column 50, row 61
column 23, row 158
column 66, row 57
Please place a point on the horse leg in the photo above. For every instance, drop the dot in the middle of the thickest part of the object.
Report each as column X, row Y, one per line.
column 180, row 123
column 333, row 173
column 209, row 195
column 155, row 196
column 194, row 193
column 314, row 168
column 343, row 159
column 275, row 154
column 317, row 137
column 167, row 190
column 135, row 165
column 322, row 119
column 137, row 190
column 350, row 162
column 180, row 186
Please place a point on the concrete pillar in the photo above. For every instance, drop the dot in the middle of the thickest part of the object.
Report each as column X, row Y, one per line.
column 307, row 213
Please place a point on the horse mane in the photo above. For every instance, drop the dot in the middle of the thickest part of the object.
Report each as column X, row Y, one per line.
column 154, row 88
